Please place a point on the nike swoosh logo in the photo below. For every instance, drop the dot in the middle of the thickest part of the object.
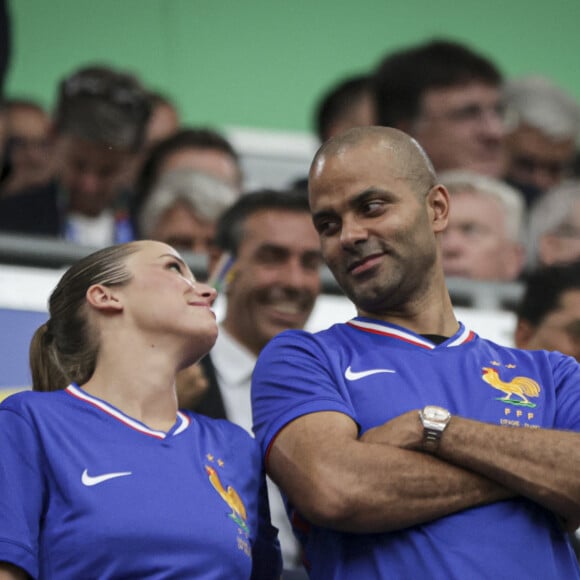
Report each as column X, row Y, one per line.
column 90, row 480
column 351, row 375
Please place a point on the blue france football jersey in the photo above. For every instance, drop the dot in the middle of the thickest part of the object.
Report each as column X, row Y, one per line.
column 373, row 371
column 88, row 492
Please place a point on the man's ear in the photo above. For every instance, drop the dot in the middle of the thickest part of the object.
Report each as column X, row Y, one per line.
column 438, row 204
column 103, row 298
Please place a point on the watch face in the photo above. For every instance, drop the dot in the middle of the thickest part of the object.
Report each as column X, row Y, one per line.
column 435, row 413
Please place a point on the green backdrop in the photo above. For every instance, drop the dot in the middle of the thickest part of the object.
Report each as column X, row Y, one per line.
column 264, row 63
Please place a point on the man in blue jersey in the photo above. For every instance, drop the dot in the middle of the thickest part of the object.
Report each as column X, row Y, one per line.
column 408, row 446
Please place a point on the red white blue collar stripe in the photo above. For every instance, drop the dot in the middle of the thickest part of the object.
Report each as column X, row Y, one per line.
column 462, row 336
column 77, row 392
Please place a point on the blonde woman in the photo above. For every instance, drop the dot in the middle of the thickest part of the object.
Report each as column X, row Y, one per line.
column 102, row 476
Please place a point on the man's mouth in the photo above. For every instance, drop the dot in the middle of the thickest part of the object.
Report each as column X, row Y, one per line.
column 359, row 267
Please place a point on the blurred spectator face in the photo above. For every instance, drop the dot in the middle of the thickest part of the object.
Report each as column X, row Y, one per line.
column 91, row 173
column 559, row 330
column 462, row 128
column 182, row 228
column 534, row 159
column 475, row 244
column 563, row 245
column 28, row 132
column 276, row 277
column 211, row 161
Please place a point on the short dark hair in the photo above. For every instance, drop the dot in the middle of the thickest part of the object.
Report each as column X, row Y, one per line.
column 403, row 77
column 103, row 105
column 230, row 225
column 186, row 138
column 544, row 288
column 338, row 100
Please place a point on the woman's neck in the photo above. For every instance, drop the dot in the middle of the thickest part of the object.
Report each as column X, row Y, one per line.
column 141, row 384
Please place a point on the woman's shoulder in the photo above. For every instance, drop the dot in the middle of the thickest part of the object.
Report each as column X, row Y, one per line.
column 25, row 398
column 32, row 407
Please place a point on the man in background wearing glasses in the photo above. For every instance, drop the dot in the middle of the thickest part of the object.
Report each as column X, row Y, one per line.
column 448, row 98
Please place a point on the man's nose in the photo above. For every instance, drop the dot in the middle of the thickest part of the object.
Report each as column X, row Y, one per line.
column 352, row 232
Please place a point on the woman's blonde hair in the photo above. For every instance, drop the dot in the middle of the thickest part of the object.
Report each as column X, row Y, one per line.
column 64, row 349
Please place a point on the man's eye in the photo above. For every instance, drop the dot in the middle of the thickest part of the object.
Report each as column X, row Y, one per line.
column 372, row 206
column 271, row 256
column 327, row 227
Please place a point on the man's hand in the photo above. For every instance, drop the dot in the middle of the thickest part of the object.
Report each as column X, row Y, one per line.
column 404, row 432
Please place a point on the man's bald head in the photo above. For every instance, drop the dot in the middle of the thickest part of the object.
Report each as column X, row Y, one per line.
column 378, row 213
column 406, row 156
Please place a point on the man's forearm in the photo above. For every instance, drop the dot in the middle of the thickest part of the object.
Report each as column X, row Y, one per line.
column 337, row 481
column 541, row 464
column 419, row 489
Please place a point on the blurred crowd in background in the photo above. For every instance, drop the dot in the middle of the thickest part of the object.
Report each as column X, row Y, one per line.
column 113, row 160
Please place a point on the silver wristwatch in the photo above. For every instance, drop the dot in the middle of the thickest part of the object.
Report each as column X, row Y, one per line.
column 434, row 420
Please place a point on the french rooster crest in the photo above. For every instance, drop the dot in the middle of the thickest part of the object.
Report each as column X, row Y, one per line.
column 520, row 387
column 231, row 497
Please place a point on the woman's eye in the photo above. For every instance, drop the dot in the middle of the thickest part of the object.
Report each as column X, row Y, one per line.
column 174, row 266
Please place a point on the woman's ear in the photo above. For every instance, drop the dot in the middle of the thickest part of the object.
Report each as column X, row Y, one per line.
column 103, row 297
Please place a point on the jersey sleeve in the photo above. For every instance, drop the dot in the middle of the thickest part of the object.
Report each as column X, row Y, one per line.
column 294, row 376
column 21, row 489
column 567, row 381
